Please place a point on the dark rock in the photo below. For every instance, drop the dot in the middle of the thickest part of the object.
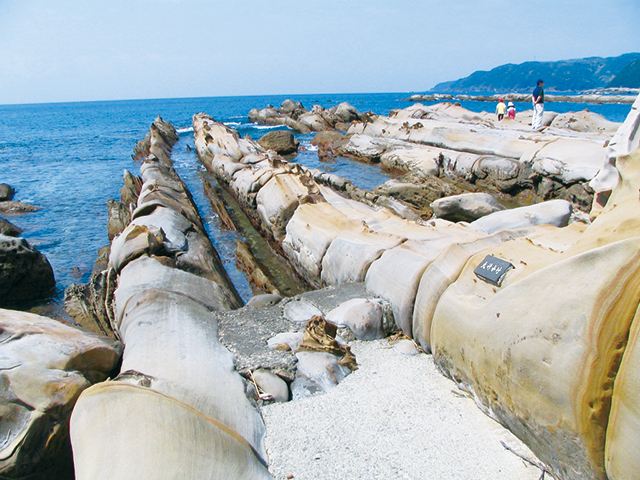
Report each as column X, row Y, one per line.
column 419, row 190
column 119, row 217
column 328, row 143
column 90, row 304
column 8, row 228
column 25, row 273
column 131, row 188
column 17, row 207
column 281, row 141
column 6, row 192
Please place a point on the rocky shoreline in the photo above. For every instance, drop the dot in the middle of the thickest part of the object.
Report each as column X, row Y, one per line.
column 530, row 310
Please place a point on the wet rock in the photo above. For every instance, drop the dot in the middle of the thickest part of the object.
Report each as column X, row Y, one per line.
column 466, row 207
column 6, row 192
column 281, row 141
column 25, row 273
column 45, row 367
column 9, row 229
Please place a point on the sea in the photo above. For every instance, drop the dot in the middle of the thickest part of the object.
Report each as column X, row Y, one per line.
column 69, row 158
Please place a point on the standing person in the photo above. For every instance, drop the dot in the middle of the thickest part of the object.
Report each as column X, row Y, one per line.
column 511, row 111
column 500, row 109
column 538, row 105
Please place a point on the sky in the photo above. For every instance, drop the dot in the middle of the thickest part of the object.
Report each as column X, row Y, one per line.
column 84, row 50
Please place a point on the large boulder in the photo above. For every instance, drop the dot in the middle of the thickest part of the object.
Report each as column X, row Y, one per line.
column 25, row 273
column 45, row 366
column 178, row 409
column 281, row 141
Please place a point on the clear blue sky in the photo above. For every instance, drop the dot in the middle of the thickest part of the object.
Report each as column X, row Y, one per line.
column 75, row 50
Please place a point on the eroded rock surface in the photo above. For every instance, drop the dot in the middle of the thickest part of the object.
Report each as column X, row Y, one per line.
column 538, row 351
column 45, row 366
column 178, row 393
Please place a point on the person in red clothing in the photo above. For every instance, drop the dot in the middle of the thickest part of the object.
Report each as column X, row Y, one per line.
column 511, row 111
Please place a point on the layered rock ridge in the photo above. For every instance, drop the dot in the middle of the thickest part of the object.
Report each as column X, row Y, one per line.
column 475, row 151
column 539, row 348
column 178, row 408
column 299, row 119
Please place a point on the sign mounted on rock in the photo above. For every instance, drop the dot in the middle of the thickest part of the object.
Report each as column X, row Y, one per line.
column 493, row 270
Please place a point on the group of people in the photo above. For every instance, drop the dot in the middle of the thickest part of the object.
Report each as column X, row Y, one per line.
column 509, row 109
column 537, row 98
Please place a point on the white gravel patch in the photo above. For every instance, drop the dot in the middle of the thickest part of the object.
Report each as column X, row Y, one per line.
column 396, row 417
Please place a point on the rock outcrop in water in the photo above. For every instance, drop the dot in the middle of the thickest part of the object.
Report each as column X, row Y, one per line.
column 295, row 116
column 178, row 409
column 25, row 273
column 548, row 349
column 525, row 97
column 6, row 192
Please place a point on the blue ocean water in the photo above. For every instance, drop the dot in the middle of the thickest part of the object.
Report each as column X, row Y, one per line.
column 68, row 158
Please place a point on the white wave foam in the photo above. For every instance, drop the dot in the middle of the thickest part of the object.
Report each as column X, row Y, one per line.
column 266, row 127
column 184, row 129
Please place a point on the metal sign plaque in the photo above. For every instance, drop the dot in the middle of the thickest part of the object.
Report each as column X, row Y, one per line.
column 493, row 270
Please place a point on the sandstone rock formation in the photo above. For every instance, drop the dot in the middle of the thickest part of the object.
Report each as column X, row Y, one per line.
column 295, row 116
column 45, row 367
column 540, row 350
column 178, row 408
column 473, row 149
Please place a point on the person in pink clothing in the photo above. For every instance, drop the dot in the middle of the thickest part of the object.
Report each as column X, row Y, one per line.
column 511, row 111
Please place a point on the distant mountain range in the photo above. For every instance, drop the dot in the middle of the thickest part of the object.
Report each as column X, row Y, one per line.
column 563, row 76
